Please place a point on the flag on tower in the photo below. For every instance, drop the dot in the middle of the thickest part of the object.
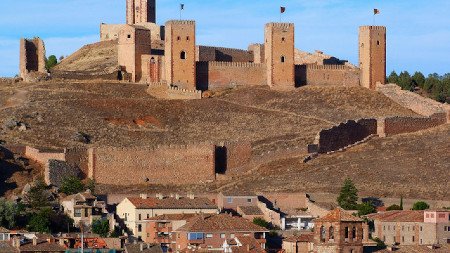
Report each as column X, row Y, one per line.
column 181, row 6
column 282, row 9
column 376, row 11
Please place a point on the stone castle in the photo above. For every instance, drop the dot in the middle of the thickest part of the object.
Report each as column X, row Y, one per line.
column 168, row 56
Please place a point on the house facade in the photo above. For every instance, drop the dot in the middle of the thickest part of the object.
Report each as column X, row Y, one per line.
column 135, row 211
column 83, row 208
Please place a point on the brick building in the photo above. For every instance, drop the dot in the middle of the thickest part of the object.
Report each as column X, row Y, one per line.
column 159, row 228
column 206, row 231
column 339, row 232
column 412, row 227
column 303, row 243
column 135, row 211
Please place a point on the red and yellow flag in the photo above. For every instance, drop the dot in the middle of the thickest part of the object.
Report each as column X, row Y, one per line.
column 376, row 11
column 282, row 9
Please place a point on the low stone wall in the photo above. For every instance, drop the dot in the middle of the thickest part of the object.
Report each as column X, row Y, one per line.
column 176, row 93
column 400, row 125
column 44, row 157
column 178, row 165
column 225, row 75
column 345, row 134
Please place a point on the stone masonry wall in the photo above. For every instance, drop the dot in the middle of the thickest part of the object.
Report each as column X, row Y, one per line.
column 326, row 75
column 164, row 165
column 56, row 171
column 223, row 75
column 32, row 57
column 232, row 157
column 399, row 125
column 345, row 134
column 207, row 53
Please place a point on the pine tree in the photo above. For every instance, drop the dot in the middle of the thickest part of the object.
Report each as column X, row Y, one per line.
column 348, row 196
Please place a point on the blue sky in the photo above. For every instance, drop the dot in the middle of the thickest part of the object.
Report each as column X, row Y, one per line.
column 418, row 30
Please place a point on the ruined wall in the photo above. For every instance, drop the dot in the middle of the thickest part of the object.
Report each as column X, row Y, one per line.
column 78, row 157
column 399, row 125
column 110, row 32
column 258, row 52
column 208, row 53
column 223, row 75
column 56, row 171
column 324, row 75
column 32, row 57
column 345, row 134
column 42, row 156
column 232, row 157
column 163, row 165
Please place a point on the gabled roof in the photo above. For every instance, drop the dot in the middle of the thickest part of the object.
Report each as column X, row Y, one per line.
column 42, row 246
column 248, row 245
column 3, row 230
column 398, row 216
column 6, row 247
column 250, row 210
column 338, row 215
column 309, row 237
column 172, row 203
column 147, row 248
column 80, row 196
column 220, row 223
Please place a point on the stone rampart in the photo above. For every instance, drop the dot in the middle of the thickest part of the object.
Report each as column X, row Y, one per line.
column 178, row 165
column 110, row 31
column 224, row 75
column 345, row 134
column 42, row 156
column 325, row 75
column 208, row 53
column 56, row 171
column 232, row 157
column 400, row 125
column 177, row 93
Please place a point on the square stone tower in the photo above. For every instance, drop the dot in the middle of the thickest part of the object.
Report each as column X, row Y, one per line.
column 372, row 55
column 133, row 43
column 32, row 56
column 180, row 53
column 139, row 11
column 279, row 55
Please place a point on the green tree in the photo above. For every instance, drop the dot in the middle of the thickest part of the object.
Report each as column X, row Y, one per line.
column 366, row 208
column 431, row 81
column 348, row 196
column 394, row 207
column 418, row 79
column 9, row 213
column 40, row 221
column 261, row 222
column 90, row 185
column 393, row 77
column 51, row 62
column 101, row 227
column 405, row 81
column 421, row 205
column 71, row 185
column 38, row 196
column 117, row 232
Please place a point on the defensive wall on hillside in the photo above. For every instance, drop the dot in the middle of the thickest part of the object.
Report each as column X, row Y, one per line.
column 215, row 75
column 208, row 53
column 325, row 75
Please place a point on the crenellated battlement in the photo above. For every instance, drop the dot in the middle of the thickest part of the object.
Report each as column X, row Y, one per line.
column 171, row 88
column 326, row 67
column 187, row 146
column 280, row 25
column 180, row 22
column 231, row 64
column 373, row 28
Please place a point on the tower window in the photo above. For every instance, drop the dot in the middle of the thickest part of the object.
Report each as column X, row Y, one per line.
column 283, row 39
column 378, row 42
column 183, row 55
column 362, row 44
column 283, row 59
column 129, row 36
column 187, row 38
column 178, row 38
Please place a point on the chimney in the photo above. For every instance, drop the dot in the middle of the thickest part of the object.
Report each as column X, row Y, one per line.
column 143, row 196
column 16, row 242
column 191, row 196
column 34, row 240
column 177, row 196
column 141, row 247
column 248, row 247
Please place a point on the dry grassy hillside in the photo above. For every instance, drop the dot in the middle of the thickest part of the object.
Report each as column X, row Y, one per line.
column 121, row 114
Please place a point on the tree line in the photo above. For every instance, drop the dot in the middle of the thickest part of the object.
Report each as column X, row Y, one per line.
column 434, row 86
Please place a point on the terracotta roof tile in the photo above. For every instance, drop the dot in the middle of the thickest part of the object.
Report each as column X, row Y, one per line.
column 220, row 223
column 171, row 217
column 309, row 237
column 136, row 248
column 42, row 246
column 398, row 216
column 172, row 203
column 338, row 214
column 249, row 245
column 6, row 247
column 250, row 210
column 3, row 230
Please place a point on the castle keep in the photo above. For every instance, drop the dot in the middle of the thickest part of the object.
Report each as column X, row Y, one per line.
column 167, row 57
